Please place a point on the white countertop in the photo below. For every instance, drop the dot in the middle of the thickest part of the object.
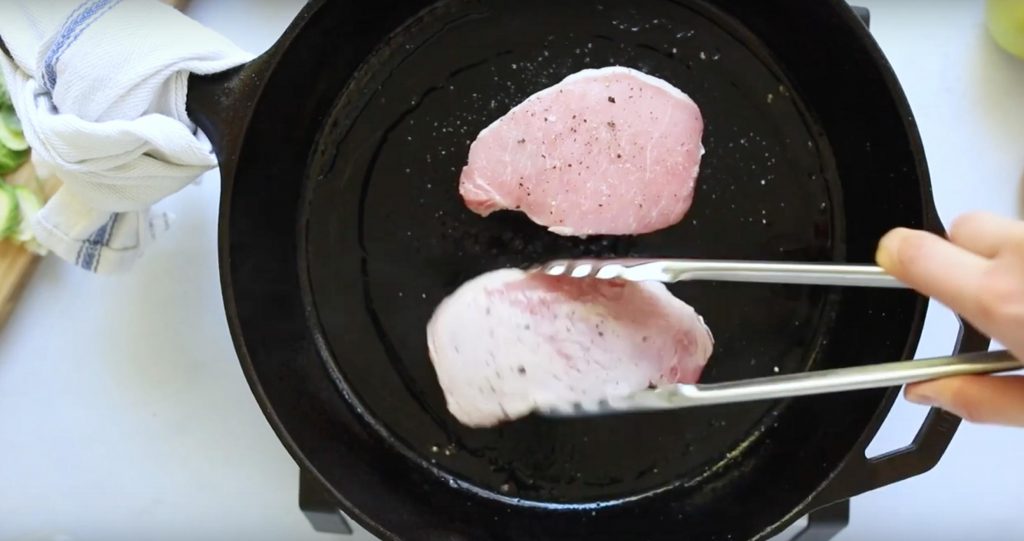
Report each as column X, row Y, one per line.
column 132, row 420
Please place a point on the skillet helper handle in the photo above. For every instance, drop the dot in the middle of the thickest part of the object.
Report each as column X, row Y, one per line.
column 860, row 474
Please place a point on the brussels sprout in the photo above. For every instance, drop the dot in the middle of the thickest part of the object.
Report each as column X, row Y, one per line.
column 11, row 160
column 28, row 206
column 10, row 219
column 11, row 134
column 5, row 97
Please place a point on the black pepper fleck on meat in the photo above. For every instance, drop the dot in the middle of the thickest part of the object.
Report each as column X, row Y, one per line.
column 611, row 99
column 521, row 370
column 521, row 141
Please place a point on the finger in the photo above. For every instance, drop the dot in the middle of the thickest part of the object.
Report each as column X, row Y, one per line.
column 935, row 267
column 985, row 233
column 977, row 399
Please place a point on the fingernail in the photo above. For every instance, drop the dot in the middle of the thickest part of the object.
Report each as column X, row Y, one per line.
column 883, row 258
column 885, row 255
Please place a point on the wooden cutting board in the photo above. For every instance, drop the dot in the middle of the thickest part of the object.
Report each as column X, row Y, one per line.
column 16, row 263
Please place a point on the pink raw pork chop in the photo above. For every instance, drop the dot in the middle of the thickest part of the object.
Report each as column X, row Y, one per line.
column 608, row 151
column 510, row 342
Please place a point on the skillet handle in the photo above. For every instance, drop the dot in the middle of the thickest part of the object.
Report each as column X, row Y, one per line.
column 863, row 13
column 860, row 474
column 221, row 105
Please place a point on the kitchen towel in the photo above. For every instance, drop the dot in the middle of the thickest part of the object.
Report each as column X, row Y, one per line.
column 100, row 87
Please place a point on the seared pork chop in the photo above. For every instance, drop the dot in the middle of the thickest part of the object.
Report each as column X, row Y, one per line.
column 608, row 151
column 509, row 342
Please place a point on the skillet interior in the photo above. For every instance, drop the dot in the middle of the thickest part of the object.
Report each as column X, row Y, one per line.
column 384, row 237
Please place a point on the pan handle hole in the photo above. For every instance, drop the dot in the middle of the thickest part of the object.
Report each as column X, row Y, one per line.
column 904, row 419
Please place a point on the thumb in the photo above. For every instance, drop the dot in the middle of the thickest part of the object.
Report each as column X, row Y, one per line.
column 977, row 399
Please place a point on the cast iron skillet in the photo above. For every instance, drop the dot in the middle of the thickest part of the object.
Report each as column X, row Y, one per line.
column 341, row 230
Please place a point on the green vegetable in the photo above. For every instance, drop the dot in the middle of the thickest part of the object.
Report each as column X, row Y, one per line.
column 11, row 134
column 18, row 204
column 11, row 160
column 10, row 218
column 5, row 97
column 28, row 206
column 13, row 146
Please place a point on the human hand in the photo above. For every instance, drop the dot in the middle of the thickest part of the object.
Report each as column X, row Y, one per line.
column 979, row 274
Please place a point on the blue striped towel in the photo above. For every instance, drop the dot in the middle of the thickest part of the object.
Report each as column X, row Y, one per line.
column 100, row 87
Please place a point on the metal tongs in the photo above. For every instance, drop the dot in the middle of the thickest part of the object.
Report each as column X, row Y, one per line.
column 772, row 387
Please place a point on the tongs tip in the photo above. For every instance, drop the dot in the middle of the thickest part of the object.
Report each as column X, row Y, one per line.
column 581, row 268
column 662, row 397
column 578, row 409
column 553, row 268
